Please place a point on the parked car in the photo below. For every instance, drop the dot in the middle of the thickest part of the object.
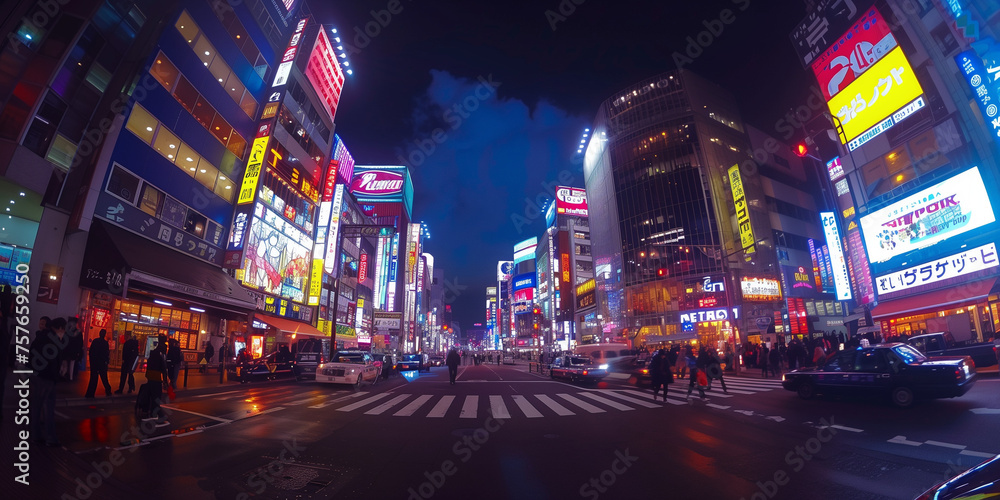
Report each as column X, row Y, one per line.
column 943, row 344
column 269, row 367
column 310, row 353
column 437, row 360
column 638, row 369
column 895, row 370
column 577, row 368
column 981, row 481
column 348, row 367
column 386, row 364
column 409, row 362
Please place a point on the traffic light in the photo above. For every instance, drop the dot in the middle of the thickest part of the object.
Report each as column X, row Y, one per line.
column 801, row 149
column 661, row 272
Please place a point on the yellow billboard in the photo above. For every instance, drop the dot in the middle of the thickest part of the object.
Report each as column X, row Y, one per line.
column 875, row 96
column 742, row 212
column 316, row 282
column 252, row 175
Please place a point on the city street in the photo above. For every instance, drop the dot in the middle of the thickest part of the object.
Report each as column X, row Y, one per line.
column 502, row 432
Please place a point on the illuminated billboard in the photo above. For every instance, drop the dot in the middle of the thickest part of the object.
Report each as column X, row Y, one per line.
column 525, row 250
column 971, row 261
column 285, row 66
column 984, row 85
column 742, row 211
column 345, row 162
column 761, row 289
column 867, row 41
column 949, row 208
column 841, row 279
column 878, row 99
column 383, row 184
column 571, row 201
column 333, row 234
column 277, row 256
column 526, row 280
column 504, row 269
column 325, row 74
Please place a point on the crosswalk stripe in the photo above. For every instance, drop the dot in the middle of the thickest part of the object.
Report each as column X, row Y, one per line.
column 730, row 389
column 582, row 404
column 441, row 407
column 525, row 406
column 747, row 380
column 556, row 407
column 751, row 385
column 332, row 401
column 498, row 407
column 378, row 410
column 215, row 394
column 306, row 400
column 412, row 408
column 614, row 404
column 634, row 401
column 363, row 402
column 674, row 400
column 470, row 408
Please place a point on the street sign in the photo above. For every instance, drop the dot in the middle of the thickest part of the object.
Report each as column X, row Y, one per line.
column 354, row 230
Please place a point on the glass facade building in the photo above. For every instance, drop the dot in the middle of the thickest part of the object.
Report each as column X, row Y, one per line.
column 664, row 223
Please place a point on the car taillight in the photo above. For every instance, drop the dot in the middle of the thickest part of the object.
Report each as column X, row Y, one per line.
column 644, row 371
column 585, row 372
column 958, row 374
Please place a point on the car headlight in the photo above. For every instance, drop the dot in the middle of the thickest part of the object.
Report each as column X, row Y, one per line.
column 603, row 367
column 782, row 377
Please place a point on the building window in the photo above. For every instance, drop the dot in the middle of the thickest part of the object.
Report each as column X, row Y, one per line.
column 142, row 124
column 186, row 94
column 166, row 143
column 165, row 72
column 62, row 152
column 150, row 200
column 210, row 58
column 123, row 184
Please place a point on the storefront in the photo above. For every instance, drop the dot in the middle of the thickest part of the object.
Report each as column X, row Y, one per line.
column 270, row 334
column 968, row 311
column 133, row 285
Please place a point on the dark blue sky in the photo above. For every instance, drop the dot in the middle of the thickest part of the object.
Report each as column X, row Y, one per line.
column 504, row 144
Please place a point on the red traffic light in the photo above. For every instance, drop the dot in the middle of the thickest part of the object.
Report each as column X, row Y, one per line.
column 801, row 149
column 661, row 272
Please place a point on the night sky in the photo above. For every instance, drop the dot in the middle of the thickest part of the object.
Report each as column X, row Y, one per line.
column 506, row 144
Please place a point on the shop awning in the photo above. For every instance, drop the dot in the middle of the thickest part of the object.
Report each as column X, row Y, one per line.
column 289, row 326
column 115, row 258
column 958, row 296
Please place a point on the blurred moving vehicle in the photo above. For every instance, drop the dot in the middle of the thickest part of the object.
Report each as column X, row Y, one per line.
column 638, row 369
column 895, row 370
column 577, row 368
column 348, row 367
column 981, row 481
column 269, row 367
column 616, row 356
column 983, row 354
column 409, row 362
column 437, row 360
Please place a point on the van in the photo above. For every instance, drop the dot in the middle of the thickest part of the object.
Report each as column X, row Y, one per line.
column 605, row 354
column 309, row 354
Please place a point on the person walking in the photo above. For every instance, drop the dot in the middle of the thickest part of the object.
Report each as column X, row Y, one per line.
column 774, row 362
column 130, row 358
column 762, row 360
column 453, row 361
column 715, row 371
column 156, row 367
column 680, row 363
column 99, row 356
column 659, row 371
column 692, row 365
column 74, row 351
column 209, row 353
column 46, row 352
column 819, row 356
column 174, row 360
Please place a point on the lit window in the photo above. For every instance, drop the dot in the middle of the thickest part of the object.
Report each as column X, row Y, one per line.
column 164, row 71
column 142, row 124
column 62, row 151
column 206, row 175
column 187, row 159
column 166, row 144
column 186, row 26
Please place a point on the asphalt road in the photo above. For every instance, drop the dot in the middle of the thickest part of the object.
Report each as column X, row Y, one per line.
column 502, row 432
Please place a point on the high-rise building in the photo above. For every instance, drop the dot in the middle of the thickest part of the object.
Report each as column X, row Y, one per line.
column 564, row 261
column 525, row 324
column 677, row 220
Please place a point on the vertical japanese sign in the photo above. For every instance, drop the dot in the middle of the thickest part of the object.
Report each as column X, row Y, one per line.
column 841, row 281
column 742, row 211
column 985, row 85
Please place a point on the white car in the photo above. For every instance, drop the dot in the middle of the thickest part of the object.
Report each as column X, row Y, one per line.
column 348, row 367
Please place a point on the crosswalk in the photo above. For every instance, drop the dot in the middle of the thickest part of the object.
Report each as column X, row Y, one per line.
column 557, row 404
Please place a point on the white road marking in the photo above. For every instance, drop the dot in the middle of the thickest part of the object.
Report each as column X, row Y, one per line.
column 715, row 391
column 363, row 402
column 470, row 408
column 845, row 428
column 582, row 404
column 498, row 407
column 413, row 406
column 903, row 440
column 525, row 406
column 215, row 394
column 614, row 404
column 382, row 408
column 985, row 411
column 556, row 407
column 718, row 407
column 776, row 419
column 328, row 403
column 976, row 454
column 210, row 417
column 441, row 407
column 634, row 401
column 945, row 445
column 745, row 412
column 674, row 400
column 310, row 399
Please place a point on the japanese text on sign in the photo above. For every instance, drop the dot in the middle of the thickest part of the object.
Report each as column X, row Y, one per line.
column 742, row 211
column 961, row 264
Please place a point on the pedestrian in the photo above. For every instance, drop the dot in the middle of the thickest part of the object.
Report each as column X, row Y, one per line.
column 209, row 354
column 99, row 356
column 819, row 356
column 174, row 360
column 130, row 359
column 692, row 366
column 659, row 372
column 762, row 360
column 156, row 367
column 453, row 361
column 774, row 362
column 681, row 362
column 74, row 351
column 499, row 358
column 242, row 359
column 47, row 351
column 715, row 371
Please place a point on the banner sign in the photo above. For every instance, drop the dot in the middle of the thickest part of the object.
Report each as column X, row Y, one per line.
column 841, row 278
column 571, row 201
column 985, row 87
column 961, row 264
column 742, row 211
column 828, row 19
column 949, row 208
column 867, row 41
column 761, row 289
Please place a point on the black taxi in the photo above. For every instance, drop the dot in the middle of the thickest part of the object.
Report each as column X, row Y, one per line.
column 895, row 370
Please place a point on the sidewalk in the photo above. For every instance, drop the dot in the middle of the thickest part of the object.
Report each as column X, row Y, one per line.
column 72, row 393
